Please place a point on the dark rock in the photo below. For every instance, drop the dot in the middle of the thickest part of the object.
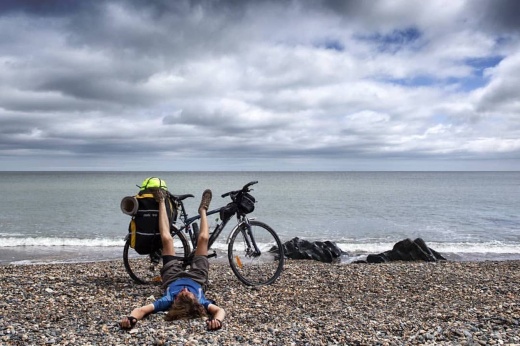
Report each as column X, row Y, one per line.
column 407, row 250
column 323, row 251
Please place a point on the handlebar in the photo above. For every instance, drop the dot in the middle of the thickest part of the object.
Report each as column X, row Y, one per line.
column 244, row 189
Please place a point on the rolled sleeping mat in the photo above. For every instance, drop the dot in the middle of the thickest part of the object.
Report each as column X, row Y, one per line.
column 129, row 205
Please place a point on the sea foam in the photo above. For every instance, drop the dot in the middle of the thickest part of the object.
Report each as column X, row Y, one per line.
column 48, row 241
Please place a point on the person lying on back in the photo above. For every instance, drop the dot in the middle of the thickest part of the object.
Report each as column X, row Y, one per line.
column 184, row 295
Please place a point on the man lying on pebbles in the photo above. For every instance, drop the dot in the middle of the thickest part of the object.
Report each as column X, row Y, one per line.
column 184, row 296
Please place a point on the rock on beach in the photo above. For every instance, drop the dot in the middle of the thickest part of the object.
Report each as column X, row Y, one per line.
column 313, row 303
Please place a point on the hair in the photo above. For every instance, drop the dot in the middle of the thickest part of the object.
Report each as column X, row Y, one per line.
column 184, row 307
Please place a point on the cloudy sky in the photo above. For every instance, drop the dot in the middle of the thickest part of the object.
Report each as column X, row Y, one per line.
column 260, row 85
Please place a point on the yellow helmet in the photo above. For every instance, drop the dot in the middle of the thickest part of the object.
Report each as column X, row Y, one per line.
column 153, row 182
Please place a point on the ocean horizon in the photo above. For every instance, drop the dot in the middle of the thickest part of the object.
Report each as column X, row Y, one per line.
column 56, row 216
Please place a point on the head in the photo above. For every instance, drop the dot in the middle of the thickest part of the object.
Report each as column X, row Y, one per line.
column 185, row 306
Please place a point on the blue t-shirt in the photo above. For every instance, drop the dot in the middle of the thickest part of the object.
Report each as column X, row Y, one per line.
column 174, row 288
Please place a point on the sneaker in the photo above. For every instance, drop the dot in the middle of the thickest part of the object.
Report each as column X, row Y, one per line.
column 206, row 200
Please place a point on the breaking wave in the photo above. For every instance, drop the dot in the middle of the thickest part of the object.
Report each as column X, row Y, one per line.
column 47, row 241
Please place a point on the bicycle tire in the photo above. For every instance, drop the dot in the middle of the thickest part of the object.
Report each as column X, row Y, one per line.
column 256, row 270
column 145, row 269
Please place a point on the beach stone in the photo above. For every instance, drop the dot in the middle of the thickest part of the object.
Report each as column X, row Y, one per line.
column 323, row 251
column 406, row 250
column 312, row 303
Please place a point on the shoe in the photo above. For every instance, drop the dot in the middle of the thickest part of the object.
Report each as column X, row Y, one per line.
column 206, row 200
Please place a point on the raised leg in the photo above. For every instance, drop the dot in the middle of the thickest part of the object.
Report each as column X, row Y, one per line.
column 202, row 241
column 164, row 224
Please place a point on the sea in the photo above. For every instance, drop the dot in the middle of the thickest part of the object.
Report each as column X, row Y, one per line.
column 60, row 217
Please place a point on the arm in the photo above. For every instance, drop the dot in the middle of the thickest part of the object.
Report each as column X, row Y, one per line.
column 138, row 314
column 217, row 314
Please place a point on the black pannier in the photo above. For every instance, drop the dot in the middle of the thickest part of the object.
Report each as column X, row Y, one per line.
column 144, row 226
column 246, row 203
column 228, row 211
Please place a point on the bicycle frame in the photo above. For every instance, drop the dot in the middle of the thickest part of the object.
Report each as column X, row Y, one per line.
column 193, row 234
column 242, row 220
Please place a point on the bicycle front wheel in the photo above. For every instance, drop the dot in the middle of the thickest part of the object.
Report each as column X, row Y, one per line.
column 146, row 269
column 260, row 265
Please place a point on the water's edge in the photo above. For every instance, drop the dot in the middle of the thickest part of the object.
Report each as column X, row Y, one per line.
column 49, row 255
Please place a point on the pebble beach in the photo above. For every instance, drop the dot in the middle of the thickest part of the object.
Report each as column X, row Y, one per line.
column 313, row 303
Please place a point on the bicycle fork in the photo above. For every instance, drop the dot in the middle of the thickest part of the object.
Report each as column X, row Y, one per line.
column 252, row 249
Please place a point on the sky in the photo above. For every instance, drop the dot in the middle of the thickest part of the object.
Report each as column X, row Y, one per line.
column 317, row 85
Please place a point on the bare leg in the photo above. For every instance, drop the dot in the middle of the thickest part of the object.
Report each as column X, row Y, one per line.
column 164, row 224
column 202, row 241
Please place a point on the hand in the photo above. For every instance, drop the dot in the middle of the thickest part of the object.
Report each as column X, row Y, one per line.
column 213, row 324
column 128, row 322
column 159, row 194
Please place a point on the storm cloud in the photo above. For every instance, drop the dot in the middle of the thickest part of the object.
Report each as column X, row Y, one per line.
column 246, row 85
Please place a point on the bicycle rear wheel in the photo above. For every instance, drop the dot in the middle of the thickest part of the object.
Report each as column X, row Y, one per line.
column 255, row 268
column 146, row 269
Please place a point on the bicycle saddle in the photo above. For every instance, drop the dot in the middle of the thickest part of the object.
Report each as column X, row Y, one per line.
column 182, row 197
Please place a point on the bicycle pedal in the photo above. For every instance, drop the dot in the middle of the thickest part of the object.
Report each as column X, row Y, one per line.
column 214, row 254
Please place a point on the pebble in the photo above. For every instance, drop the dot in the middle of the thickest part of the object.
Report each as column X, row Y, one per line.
column 312, row 303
